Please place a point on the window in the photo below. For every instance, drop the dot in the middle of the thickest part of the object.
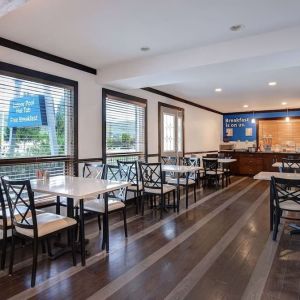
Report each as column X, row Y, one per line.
column 37, row 128
column 171, row 130
column 125, row 127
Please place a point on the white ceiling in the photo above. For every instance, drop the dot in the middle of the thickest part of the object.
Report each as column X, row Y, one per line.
column 192, row 49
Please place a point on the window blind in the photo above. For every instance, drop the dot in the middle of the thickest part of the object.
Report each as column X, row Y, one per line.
column 36, row 119
column 125, row 129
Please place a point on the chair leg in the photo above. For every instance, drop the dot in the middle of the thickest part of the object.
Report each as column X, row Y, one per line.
column 186, row 196
column 12, row 255
column 125, row 221
column 195, row 193
column 162, row 205
column 34, row 262
column 143, row 204
column 99, row 221
column 49, row 247
column 4, row 246
column 73, row 240
column 43, row 246
column 104, row 233
column 276, row 223
column 174, row 200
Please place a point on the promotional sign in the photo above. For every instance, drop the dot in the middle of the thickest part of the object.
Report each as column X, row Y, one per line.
column 238, row 127
column 27, row 111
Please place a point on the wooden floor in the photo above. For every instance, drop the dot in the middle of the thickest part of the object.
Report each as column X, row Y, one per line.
column 220, row 248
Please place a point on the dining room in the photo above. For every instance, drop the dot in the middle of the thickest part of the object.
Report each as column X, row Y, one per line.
column 149, row 150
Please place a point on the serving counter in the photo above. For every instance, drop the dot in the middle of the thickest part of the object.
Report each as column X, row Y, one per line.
column 251, row 163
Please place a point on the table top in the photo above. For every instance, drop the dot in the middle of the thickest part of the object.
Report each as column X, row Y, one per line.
column 179, row 169
column 280, row 165
column 75, row 187
column 268, row 175
column 222, row 160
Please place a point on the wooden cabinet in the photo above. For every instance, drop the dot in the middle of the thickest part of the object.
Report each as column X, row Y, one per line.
column 253, row 163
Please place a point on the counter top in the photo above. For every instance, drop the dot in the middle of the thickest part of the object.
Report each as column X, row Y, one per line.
column 261, row 152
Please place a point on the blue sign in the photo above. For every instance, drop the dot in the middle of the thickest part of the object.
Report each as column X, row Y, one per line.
column 238, row 127
column 27, row 111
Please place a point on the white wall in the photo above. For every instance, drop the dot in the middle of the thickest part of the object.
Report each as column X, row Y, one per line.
column 202, row 128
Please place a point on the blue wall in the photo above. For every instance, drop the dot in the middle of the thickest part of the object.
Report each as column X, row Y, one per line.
column 239, row 123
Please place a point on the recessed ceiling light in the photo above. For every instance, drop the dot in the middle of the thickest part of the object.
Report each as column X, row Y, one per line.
column 237, row 27
column 246, row 105
column 145, row 49
column 283, row 103
column 272, row 83
column 218, row 90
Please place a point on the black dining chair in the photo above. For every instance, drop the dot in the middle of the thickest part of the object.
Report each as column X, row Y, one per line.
column 5, row 225
column 290, row 165
column 153, row 184
column 129, row 169
column 116, row 199
column 211, row 171
column 28, row 225
column 286, row 198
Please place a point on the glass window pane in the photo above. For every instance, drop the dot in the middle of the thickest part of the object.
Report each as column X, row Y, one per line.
column 169, row 132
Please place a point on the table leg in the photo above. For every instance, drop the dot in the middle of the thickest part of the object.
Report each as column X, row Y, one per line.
column 82, row 233
column 178, row 193
column 271, row 208
column 106, row 223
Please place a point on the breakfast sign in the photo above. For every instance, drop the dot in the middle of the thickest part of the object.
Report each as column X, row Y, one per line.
column 27, row 111
column 239, row 127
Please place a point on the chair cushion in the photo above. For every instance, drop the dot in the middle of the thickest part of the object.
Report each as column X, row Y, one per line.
column 133, row 188
column 98, row 205
column 166, row 189
column 47, row 223
column 289, row 205
column 182, row 181
column 214, row 173
column 18, row 217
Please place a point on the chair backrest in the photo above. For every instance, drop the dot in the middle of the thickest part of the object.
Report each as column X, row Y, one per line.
column 169, row 160
column 113, row 173
column 285, row 190
column 290, row 165
column 92, row 170
column 20, row 200
column 129, row 170
column 212, row 155
column 191, row 161
column 151, row 175
column 210, row 164
column 3, row 215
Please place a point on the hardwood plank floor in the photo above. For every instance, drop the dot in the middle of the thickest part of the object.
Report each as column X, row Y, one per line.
column 210, row 251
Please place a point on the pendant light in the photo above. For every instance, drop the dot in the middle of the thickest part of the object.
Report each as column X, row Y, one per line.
column 287, row 118
column 253, row 121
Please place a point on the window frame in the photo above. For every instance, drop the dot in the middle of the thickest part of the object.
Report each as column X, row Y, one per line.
column 127, row 99
column 41, row 77
column 160, row 105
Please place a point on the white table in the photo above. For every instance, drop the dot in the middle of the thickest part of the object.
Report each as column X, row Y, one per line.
column 76, row 189
column 280, row 165
column 222, row 160
column 267, row 176
column 180, row 170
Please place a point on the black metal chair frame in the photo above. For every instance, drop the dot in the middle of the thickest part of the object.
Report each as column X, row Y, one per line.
column 153, row 179
column 112, row 172
column 17, row 188
column 290, row 165
column 130, row 170
column 211, row 165
column 283, row 190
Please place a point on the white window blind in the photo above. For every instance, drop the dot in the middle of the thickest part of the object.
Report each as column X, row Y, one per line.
column 36, row 119
column 125, row 129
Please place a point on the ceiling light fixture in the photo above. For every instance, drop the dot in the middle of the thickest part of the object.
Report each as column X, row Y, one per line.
column 272, row 83
column 145, row 49
column 237, row 27
column 287, row 118
column 218, row 90
column 283, row 103
column 253, row 121
column 246, row 106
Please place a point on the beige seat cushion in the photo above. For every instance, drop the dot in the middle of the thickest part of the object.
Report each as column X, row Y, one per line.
column 182, row 181
column 289, row 205
column 133, row 188
column 98, row 205
column 22, row 209
column 214, row 173
column 47, row 223
column 166, row 189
